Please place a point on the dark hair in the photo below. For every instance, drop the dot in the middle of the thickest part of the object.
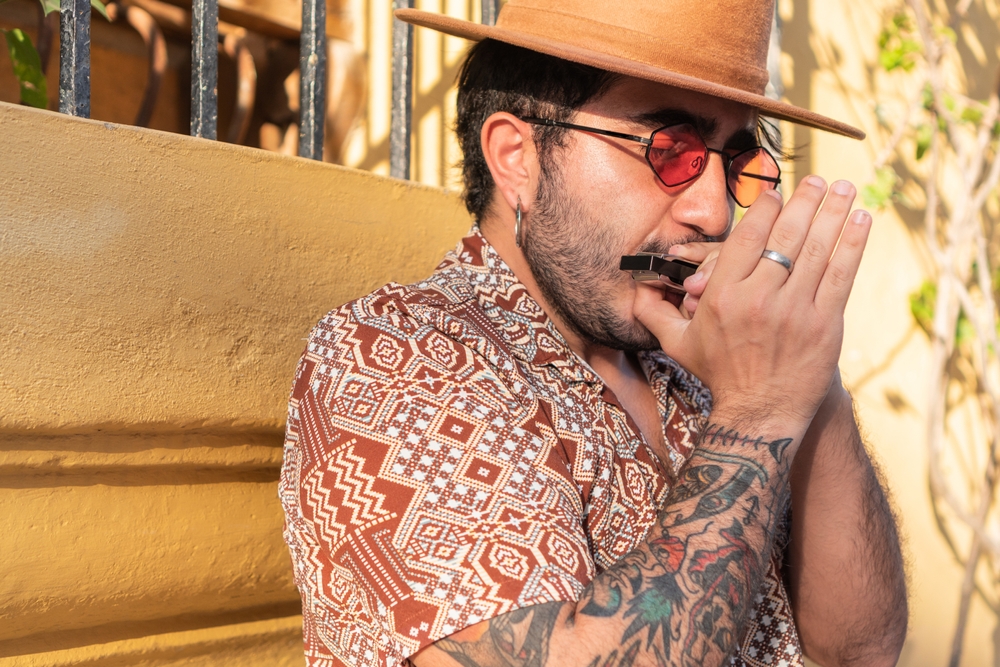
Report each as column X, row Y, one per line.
column 501, row 77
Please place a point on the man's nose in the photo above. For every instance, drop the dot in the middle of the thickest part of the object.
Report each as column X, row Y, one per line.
column 705, row 204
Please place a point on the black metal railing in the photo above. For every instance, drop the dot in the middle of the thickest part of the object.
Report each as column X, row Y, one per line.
column 74, row 57
column 204, row 68
column 74, row 73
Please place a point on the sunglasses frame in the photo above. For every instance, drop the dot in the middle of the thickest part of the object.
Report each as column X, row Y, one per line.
column 727, row 159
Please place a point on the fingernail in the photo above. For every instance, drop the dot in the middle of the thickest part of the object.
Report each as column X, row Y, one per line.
column 673, row 250
column 697, row 277
column 815, row 181
column 861, row 217
column 843, row 187
column 774, row 193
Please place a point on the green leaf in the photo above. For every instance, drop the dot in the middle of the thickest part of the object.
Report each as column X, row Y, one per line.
column 49, row 6
column 946, row 32
column 101, row 9
column 972, row 115
column 922, row 306
column 898, row 47
column 927, row 96
column 901, row 21
column 924, row 136
column 922, row 309
column 964, row 331
column 878, row 194
column 27, row 69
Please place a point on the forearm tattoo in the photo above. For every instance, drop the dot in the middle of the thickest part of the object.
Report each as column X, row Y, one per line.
column 683, row 596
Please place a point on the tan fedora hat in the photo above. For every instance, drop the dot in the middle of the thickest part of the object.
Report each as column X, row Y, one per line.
column 716, row 47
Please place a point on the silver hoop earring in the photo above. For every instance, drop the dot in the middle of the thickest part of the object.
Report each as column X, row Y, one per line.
column 517, row 223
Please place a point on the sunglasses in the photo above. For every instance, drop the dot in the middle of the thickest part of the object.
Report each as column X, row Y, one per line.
column 677, row 155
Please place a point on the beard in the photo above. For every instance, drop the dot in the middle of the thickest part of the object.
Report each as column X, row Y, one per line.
column 574, row 257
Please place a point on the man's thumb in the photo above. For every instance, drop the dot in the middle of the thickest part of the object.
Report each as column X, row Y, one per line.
column 661, row 317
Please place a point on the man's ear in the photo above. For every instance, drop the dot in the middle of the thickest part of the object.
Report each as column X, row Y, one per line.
column 510, row 154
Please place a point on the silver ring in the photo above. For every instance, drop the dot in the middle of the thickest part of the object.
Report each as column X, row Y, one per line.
column 776, row 256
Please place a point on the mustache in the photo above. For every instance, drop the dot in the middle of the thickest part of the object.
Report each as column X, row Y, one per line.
column 660, row 246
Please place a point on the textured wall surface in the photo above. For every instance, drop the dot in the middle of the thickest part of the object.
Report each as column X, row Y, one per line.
column 831, row 65
column 155, row 292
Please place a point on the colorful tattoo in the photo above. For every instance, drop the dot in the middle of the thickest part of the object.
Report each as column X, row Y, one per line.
column 683, row 596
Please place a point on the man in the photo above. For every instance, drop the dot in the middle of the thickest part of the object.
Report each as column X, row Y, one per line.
column 531, row 459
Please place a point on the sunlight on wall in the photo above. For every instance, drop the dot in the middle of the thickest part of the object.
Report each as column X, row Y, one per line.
column 436, row 61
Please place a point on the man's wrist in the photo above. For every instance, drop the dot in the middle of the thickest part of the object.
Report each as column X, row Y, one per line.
column 768, row 423
column 770, row 443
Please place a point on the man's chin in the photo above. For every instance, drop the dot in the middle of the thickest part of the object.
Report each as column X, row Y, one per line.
column 631, row 337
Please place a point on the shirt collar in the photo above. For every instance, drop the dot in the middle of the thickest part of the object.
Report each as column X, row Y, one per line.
column 529, row 333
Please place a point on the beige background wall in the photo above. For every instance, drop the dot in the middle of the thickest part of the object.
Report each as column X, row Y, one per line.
column 155, row 293
column 830, row 65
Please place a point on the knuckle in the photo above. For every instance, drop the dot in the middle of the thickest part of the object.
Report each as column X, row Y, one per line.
column 839, row 276
column 814, row 250
column 785, row 236
column 852, row 241
column 748, row 236
column 820, row 330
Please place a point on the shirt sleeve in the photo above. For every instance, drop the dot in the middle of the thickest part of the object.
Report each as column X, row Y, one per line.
column 422, row 491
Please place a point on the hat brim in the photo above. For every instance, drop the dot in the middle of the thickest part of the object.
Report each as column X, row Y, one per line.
column 766, row 105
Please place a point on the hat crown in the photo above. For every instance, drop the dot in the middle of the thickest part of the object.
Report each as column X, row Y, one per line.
column 714, row 47
column 722, row 41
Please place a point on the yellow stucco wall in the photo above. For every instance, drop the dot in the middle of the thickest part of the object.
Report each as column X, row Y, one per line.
column 156, row 292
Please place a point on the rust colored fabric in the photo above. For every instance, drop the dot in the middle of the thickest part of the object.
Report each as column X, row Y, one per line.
column 717, row 48
column 448, row 459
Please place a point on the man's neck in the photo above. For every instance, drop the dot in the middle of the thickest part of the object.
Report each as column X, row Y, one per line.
column 595, row 355
column 618, row 369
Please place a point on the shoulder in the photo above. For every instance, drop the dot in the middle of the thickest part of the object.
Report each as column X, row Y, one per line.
column 406, row 339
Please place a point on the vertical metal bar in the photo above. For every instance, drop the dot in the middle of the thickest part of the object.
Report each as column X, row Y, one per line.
column 204, row 68
column 490, row 9
column 402, row 95
column 74, row 57
column 312, row 66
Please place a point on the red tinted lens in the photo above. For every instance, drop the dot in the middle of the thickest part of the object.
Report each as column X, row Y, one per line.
column 677, row 154
column 751, row 173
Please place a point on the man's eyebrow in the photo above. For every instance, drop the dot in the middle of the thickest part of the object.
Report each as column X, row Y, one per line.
column 742, row 139
column 658, row 118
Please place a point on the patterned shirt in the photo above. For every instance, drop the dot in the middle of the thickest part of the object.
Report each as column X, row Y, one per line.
column 448, row 459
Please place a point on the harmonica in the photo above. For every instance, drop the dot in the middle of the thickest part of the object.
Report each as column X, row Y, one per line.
column 667, row 269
